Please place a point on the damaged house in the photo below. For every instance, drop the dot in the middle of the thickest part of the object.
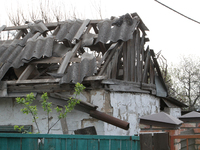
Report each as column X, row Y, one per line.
column 109, row 57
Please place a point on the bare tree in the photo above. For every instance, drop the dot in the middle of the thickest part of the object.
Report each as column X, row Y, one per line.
column 16, row 18
column 167, row 77
column 51, row 11
column 186, row 81
column 97, row 7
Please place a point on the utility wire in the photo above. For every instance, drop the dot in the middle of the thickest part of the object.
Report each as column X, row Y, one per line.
column 178, row 12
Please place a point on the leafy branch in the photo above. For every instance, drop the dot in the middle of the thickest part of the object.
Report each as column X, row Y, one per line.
column 47, row 107
column 28, row 108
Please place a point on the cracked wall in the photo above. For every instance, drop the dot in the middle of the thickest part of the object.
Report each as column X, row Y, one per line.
column 129, row 107
column 125, row 106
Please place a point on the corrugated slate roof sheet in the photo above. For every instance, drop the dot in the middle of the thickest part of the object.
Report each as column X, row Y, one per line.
column 16, row 53
column 34, row 49
column 68, row 30
column 77, row 71
column 10, row 53
column 117, row 29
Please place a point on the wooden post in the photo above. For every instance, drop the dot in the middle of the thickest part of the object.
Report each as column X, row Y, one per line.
column 125, row 64
column 146, row 67
column 137, row 49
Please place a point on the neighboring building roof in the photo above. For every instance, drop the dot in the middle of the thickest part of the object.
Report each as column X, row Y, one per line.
column 170, row 102
column 161, row 119
column 190, row 117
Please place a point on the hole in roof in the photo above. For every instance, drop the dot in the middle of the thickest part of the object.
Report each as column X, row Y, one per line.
column 108, row 42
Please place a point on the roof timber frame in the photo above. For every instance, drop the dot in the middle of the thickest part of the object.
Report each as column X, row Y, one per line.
column 124, row 60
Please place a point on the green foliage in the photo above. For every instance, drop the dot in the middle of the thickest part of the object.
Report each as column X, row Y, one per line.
column 47, row 107
column 71, row 102
column 19, row 128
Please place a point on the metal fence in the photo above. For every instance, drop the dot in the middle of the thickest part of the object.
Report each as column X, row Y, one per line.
column 10, row 141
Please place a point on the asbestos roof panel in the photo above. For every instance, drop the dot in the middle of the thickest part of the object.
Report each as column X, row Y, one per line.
column 77, row 71
column 12, row 52
column 143, row 26
column 161, row 118
column 7, row 56
column 117, row 29
column 59, row 50
column 38, row 26
column 35, row 49
column 68, row 30
column 17, row 52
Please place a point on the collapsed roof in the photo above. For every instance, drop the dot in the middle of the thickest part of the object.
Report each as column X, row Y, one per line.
column 68, row 52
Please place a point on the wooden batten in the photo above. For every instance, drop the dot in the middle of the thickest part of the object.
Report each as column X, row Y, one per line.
column 81, row 29
column 152, row 73
column 19, row 34
column 133, row 54
column 137, row 49
column 141, row 56
column 95, row 28
column 26, row 73
column 113, row 64
column 146, row 67
column 108, row 60
column 125, row 62
column 156, row 63
column 128, row 63
column 67, row 58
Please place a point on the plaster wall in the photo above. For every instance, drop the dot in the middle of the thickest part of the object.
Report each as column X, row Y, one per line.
column 130, row 107
column 126, row 106
column 11, row 115
column 173, row 111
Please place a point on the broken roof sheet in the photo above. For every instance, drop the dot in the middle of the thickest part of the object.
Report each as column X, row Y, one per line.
column 34, row 49
column 33, row 46
column 117, row 29
column 77, row 71
column 71, row 30
column 161, row 119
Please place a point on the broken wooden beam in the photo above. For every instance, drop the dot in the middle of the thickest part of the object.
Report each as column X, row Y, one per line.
column 26, row 73
column 67, row 58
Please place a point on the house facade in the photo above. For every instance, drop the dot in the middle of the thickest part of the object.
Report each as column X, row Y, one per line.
column 109, row 57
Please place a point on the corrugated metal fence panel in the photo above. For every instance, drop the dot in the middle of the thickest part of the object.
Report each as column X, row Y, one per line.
column 67, row 142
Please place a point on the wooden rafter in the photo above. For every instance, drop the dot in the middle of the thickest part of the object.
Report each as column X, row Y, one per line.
column 67, row 58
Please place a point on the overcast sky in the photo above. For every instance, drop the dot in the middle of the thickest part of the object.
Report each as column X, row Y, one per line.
column 169, row 32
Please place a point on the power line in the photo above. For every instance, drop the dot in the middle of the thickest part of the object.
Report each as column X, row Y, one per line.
column 177, row 12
